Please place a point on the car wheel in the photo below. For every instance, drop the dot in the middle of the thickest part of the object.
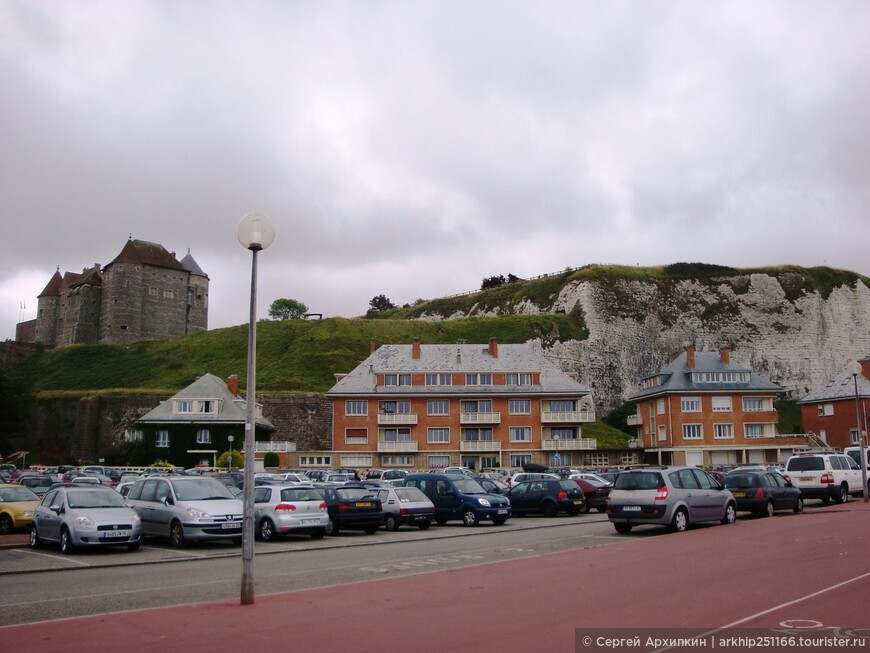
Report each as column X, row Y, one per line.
column 133, row 546
column 622, row 528
column 731, row 513
column 332, row 528
column 5, row 524
column 768, row 509
column 825, row 499
column 66, row 545
column 176, row 535
column 35, row 542
column 318, row 535
column 469, row 517
column 500, row 521
column 423, row 525
column 549, row 509
column 799, row 505
column 390, row 522
column 843, row 494
column 586, row 507
column 680, row 521
column 601, row 508
column 266, row 530
column 371, row 530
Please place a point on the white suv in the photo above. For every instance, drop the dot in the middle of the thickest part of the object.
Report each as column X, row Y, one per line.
column 824, row 476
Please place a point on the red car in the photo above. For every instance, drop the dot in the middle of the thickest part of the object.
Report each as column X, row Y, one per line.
column 595, row 494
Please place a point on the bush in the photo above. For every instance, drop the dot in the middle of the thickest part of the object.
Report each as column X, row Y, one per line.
column 238, row 460
column 271, row 459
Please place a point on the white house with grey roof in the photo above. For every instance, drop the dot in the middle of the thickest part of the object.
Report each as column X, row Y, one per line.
column 484, row 406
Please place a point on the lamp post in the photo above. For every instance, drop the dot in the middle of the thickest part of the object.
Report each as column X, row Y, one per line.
column 230, row 439
column 854, row 368
column 255, row 233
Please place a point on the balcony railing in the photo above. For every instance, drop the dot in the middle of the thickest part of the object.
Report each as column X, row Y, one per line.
column 568, row 416
column 277, row 447
column 480, row 418
column 397, row 447
column 634, row 420
column 397, row 418
column 479, row 445
column 570, row 444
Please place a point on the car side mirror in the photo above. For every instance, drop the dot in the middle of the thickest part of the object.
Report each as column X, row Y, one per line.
column 56, row 508
column 167, row 501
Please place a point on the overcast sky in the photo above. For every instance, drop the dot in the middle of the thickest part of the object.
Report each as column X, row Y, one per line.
column 412, row 148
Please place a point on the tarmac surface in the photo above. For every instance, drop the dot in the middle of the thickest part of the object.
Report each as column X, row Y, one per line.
column 809, row 571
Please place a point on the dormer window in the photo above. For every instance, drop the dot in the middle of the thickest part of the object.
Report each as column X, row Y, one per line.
column 184, row 406
column 206, row 406
column 397, row 379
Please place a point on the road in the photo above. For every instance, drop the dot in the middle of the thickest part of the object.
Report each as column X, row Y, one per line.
column 532, row 586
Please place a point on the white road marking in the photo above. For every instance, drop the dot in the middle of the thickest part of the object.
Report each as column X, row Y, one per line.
column 52, row 556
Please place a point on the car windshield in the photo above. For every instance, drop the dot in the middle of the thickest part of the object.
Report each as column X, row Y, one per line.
column 301, row 494
column 200, row 489
column 408, row 494
column 469, row 486
column 741, row 481
column 37, row 482
column 597, row 482
column 808, row 464
column 354, row 493
column 95, row 499
column 639, row 481
column 10, row 495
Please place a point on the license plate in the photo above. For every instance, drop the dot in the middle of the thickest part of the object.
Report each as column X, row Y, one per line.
column 116, row 534
column 805, row 478
column 630, row 508
column 578, row 502
column 502, row 512
column 306, row 522
column 739, row 494
column 364, row 504
column 228, row 525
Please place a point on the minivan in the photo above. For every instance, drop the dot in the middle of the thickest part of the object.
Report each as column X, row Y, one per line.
column 460, row 497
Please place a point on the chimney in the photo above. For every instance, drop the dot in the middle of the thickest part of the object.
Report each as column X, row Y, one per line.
column 233, row 384
column 372, row 346
column 690, row 357
column 493, row 347
column 415, row 349
column 725, row 355
column 458, row 356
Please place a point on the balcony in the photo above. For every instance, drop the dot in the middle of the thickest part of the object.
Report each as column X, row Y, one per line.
column 392, row 419
column 479, row 445
column 397, row 447
column 568, row 416
column 568, row 444
column 634, row 420
column 480, row 418
column 277, row 447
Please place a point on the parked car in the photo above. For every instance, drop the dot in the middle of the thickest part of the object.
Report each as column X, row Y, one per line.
column 317, row 475
column 405, row 505
column 530, row 476
column 494, row 486
column 590, row 476
column 460, row 497
column 123, row 488
column 462, row 471
column 763, row 492
column 672, row 496
column 547, row 496
column 338, row 478
column 394, row 476
column 37, row 484
column 85, row 516
column 351, row 508
column 289, row 510
column 595, row 493
column 855, row 454
column 17, row 504
column 291, row 477
column 185, row 508
column 825, row 476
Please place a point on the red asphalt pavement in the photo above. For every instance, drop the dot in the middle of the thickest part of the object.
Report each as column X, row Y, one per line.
column 759, row 573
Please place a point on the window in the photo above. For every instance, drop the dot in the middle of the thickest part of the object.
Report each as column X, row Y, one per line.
column 315, row 461
column 690, row 404
column 599, row 459
column 438, row 436
column 438, row 407
column 478, row 379
column 438, row 462
column 162, row 438
column 564, row 433
column 752, row 405
column 721, row 404
column 356, row 436
column 203, row 436
column 397, row 435
column 477, row 435
column 753, row 430
column 153, row 291
column 168, row 294
column 518, row 460
column 561, row 405
column 397, row 379
column 855, row 436
column 660, row 407
column 397, row 461
column 628, row 458
column 693, row 431
column 487, row 462
column 481, row 406
column 206, row 406
column 520, row 434
column 356, row 407
column 183, row 406
column 439, row 379
column 663, row 433
column 826, row 410
column 519, row 379
column 519, row 406
column 132, row 435
column 723, row 431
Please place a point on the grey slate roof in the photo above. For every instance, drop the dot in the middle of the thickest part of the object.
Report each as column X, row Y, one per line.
column 232, row 408
column 192, row 266
column 678, row 377
column 455, row 358
column 841, row 387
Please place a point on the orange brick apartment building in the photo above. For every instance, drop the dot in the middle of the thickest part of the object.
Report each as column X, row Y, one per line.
column 832, row 412
column 431, row 406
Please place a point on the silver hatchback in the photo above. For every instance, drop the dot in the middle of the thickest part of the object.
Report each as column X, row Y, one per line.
column 289, row 510
column 671, row 496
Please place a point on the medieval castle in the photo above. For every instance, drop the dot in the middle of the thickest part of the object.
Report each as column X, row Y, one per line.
column 145, row 293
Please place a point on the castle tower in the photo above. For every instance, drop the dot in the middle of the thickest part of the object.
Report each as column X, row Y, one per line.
column 47, row 305
column 197, row 296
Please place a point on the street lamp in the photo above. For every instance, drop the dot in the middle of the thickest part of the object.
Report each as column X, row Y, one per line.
column 854, row 368
column 230, row 439
column 255, row 233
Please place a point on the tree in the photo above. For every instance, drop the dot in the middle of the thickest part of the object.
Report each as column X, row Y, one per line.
column 492, row 282
column 381, row 303
column 287, row 309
